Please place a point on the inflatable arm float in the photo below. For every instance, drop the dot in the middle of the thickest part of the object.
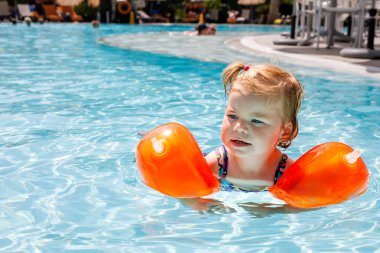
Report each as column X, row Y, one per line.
column 327, row 174
column 171, row 162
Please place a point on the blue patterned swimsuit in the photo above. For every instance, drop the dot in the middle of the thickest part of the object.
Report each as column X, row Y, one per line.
column 223, row 168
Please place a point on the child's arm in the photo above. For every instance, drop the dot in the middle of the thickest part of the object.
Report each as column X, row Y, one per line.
column 212, row 162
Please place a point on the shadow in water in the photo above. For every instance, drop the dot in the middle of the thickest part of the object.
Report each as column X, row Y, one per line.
column 256, row 210
column 207, row 206
column 262, row 210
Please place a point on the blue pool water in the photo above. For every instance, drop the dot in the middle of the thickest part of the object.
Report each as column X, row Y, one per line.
column 70, row 111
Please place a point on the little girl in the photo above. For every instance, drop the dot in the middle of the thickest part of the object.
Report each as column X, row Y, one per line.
column 260, row 117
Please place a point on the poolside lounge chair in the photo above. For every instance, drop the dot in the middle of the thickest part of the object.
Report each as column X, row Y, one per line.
column 214, row 15
column 4, row 9
column 143, row 17
column 24, row 11
column 51, row 13
column 245, row 16
column 70, row 10
column 160, row 18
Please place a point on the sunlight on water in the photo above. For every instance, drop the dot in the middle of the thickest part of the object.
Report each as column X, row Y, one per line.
column 70, row 111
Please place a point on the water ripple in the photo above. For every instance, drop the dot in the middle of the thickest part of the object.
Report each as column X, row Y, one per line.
column 70, row 113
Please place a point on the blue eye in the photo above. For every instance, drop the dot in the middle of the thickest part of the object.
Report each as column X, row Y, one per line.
column 232, row 116
column 257, row 122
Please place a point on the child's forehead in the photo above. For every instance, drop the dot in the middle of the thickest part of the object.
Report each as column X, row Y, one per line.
column 269, row 95
column 255, row 87
column 237, row 98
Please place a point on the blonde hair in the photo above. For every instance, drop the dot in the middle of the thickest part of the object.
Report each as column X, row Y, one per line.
column 268, row 80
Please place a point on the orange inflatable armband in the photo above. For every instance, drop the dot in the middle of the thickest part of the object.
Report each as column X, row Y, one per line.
column 171, row 162
column 327, row 174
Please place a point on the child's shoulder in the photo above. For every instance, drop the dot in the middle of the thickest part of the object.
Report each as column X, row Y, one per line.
column 212, row 159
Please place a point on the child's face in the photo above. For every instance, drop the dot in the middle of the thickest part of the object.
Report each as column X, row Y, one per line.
column 251, row 125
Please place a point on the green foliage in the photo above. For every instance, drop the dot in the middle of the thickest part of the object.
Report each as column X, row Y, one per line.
column 213, row 4
column 180, row 14
column 262, row 9
column 88, row 12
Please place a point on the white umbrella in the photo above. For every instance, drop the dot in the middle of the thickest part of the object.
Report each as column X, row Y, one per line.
column 251, row 2
column 68, row 2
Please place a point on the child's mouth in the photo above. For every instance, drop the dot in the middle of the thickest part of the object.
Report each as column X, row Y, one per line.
column 240, row 143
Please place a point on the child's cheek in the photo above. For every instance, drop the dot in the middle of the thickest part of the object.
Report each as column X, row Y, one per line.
column 224, row 132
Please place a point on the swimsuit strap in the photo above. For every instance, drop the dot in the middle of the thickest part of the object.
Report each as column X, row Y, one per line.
column 281, row 168
column 223, row 167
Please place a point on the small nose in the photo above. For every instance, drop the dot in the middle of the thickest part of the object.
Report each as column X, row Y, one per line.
column 241, row 127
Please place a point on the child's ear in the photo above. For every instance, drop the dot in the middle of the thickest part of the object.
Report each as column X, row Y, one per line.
column 287, row 130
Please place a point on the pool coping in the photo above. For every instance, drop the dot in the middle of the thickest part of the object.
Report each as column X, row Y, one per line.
column 305, row 56
column 255, row 45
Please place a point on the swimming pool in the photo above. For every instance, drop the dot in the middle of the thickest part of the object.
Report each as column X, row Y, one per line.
column 70, row 110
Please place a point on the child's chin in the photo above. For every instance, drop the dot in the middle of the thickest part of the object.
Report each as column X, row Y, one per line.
column 241, row 150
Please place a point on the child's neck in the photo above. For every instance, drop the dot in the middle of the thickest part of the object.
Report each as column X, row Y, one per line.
column 254, row 167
